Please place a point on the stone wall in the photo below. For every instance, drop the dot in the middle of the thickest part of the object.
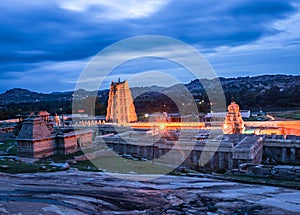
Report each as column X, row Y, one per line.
column 85, row 138
column 37, row 148
column 278, row 171
column 283, row 151
column 25, row 148
column 248, row 150
column 44, row 148
column 212, row 155
column 66, row 144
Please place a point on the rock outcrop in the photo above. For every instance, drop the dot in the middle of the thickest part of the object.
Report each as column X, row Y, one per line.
column 75, row 192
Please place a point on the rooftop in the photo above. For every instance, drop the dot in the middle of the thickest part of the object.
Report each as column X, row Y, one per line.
column 34, row 128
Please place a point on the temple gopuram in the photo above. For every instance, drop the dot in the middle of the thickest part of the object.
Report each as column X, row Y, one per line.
column 120, row 107
column 234, row 123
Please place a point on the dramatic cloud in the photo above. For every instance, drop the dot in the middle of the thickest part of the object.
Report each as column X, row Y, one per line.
column 234, row 35
column 115, row 9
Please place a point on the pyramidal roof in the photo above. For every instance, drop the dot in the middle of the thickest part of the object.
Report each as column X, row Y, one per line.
column 34, row 128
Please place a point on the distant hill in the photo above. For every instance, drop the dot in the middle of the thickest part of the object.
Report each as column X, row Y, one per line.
column 280, row 92
column 266, row 91
column 18, row 95
column 136, row 91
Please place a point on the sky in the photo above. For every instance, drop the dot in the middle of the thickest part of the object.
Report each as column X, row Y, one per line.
column 45, row 45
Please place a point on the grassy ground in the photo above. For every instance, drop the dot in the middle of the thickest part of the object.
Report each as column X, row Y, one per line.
column 15, row 167
column 262, row 180
column 114, row 164
column 9, row 165
column 108, row 164
column 117, row 164
column 9, row 146
column 288, row 115
column 256, row 118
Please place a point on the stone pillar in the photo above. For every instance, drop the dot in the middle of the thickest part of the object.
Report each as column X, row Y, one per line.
column 283, row 154
column 220, row 155
column 293, row 154
column 229, row 158
column 194, row 155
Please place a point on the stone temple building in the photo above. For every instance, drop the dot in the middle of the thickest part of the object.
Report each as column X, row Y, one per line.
column 120, row 108
column 36, row 139
column 234, row 123
column 224, row 152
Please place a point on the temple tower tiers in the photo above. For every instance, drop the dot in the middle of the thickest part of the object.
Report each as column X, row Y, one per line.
column 234, row 123
column 120, row 108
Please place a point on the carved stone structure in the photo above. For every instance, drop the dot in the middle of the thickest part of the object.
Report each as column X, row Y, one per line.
column 36, row 140
column 234, row 123
column 45, row 115
column 232, row 150
column 57, row 120
column 120, row 108
column 283, row 149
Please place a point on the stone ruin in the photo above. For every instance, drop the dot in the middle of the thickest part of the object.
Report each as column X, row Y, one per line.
column 36, row 139
column 225, row 152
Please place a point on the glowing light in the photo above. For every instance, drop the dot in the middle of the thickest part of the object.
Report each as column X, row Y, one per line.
column 270, row 117
column 162, row 126
column 146, row 115
column 169, row 125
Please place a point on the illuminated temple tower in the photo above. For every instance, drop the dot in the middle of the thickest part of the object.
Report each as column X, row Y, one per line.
column 120, row 108
column 234, row 123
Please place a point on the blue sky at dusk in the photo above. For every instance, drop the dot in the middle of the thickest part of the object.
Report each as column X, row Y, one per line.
column 45, row 45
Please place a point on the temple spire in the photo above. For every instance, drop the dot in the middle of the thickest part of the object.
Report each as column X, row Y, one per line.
column 120, row 108
column 234, row 123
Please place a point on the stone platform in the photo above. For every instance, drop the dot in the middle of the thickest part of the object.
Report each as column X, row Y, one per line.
column 81, row 193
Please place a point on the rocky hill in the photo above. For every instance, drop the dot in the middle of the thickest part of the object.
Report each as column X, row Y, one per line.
column 18, row 95
column 270, row 92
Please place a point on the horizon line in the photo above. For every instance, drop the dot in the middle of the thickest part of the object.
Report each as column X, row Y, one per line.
column 72, row 90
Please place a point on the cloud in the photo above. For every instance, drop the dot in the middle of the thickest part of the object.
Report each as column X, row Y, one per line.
column 218, row 23
column 273, row 54
column 267, row 8
column 115, row 9
column 38, row 34
column 43, row 76
column 61, row 34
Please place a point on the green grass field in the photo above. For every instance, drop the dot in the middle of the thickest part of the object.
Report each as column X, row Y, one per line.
column 113, row 164
column 9, row 147
column 117, row 164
